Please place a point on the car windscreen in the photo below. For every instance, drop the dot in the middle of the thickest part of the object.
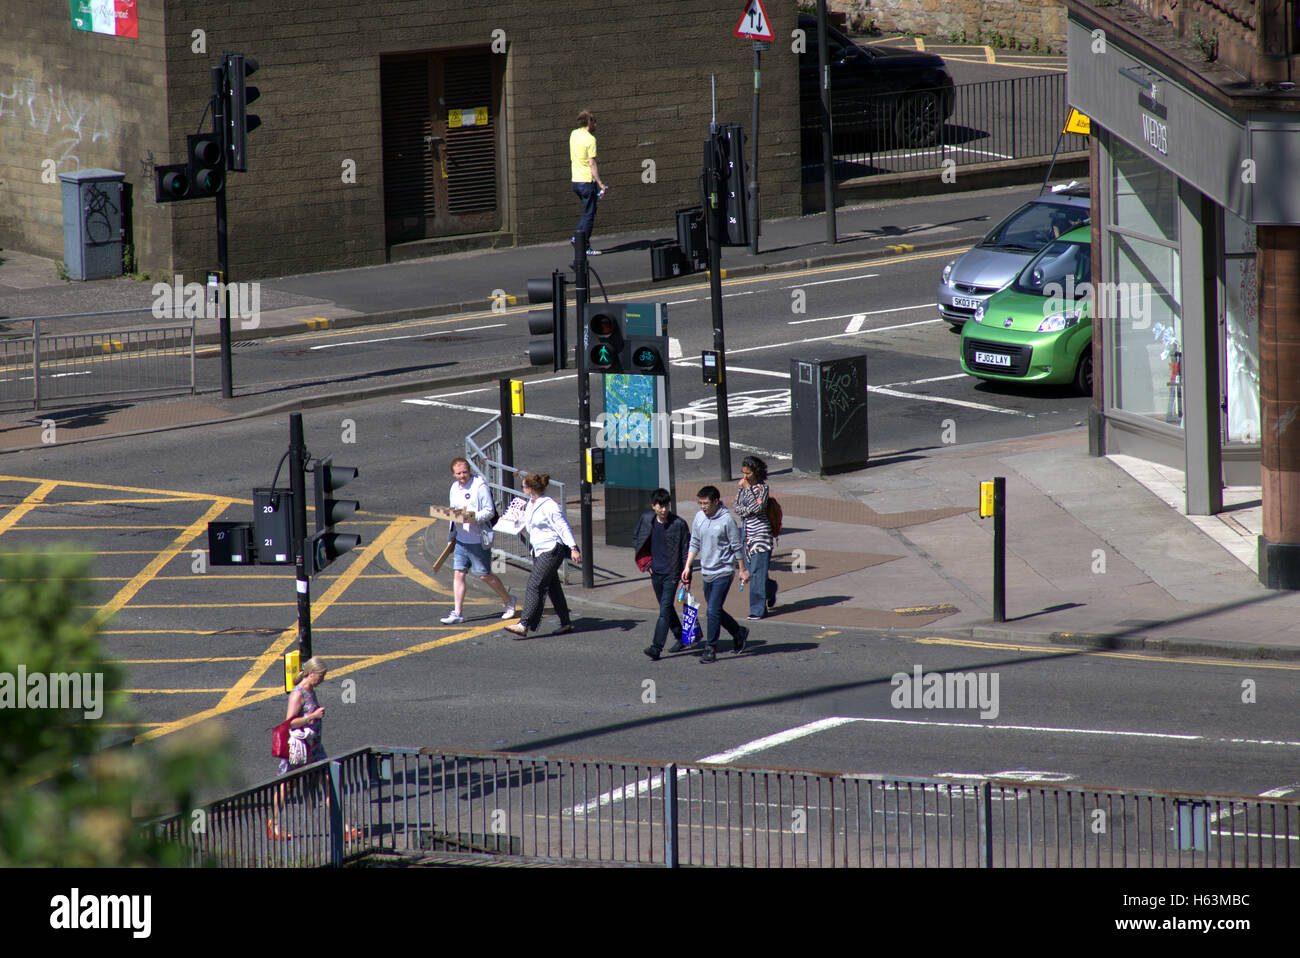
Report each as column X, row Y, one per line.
column 1063, row 265
column 1034, row 225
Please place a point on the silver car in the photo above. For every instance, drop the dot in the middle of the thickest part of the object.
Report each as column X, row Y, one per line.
column 993, row 262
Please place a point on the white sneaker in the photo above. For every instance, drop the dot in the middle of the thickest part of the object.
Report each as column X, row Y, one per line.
column 509, row 613
column 452, row 618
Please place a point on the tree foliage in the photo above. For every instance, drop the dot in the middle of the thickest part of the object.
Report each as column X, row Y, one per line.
column 70, row 779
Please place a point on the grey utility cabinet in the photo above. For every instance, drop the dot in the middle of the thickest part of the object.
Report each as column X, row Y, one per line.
column 92, row 223
column 828, row 412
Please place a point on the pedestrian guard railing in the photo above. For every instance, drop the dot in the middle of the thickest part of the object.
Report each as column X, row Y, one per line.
column 39, row 367
column 483, row 450
column 991, row 121
column 431, row 804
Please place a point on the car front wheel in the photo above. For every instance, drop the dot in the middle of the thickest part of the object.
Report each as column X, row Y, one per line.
column 1083, row 373
column 918, row 121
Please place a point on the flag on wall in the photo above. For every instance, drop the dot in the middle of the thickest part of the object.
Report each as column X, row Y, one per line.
column 116, row 17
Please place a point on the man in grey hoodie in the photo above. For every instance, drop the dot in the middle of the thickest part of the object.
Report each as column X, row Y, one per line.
column 715, row 538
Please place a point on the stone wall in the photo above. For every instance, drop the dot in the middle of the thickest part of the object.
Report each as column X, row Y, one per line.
column 71, row 100
column 981, row 21
column 84, row 100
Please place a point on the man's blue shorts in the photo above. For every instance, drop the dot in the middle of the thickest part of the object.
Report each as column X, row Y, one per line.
column 472, row 556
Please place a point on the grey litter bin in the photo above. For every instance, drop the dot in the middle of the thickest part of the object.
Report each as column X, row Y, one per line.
column 828, row 412
column 92, row 223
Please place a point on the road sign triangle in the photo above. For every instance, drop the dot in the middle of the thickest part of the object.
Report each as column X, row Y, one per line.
column 754, row 24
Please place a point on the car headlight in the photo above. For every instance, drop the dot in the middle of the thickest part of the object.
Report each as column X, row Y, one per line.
column 979, row 314
column 1059, row 321
column 947, row 271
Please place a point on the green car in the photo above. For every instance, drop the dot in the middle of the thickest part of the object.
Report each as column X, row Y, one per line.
column 1039, row 328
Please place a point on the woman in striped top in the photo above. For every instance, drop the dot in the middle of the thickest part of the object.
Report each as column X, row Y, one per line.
column 750, row 507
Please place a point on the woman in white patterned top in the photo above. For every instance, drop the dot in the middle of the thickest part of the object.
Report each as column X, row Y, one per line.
column 550, row 539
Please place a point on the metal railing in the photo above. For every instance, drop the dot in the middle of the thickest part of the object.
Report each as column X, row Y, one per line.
column 426, row 802
column 991, row 120
column 483, row 450
column 37, row 368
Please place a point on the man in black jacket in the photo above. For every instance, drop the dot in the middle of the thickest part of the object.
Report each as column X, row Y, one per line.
column 661, row 540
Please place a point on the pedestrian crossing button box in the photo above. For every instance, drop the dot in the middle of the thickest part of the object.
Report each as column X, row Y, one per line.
column 273, row 526
column 231, row 543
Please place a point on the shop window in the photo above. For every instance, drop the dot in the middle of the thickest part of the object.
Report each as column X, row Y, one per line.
column 1241, row 330
column 1142, row 295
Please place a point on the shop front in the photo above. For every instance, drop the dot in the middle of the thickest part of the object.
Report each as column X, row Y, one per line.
column 1196, row 201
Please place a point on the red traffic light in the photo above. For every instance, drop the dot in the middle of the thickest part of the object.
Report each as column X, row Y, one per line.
column 603, row 324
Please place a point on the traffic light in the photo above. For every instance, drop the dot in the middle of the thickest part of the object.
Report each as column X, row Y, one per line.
column 238, row 120
column 645, row 355
column 548, row 322
column 205, row 165
column 171, row 183
column 724, row 158
column 327, row 545
column 605, row 323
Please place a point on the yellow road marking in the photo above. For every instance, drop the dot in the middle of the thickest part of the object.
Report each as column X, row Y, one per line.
column 392, row 544
column 189, row 496
column 254, row 696
column 273, row 654
column 222, row 658
column 989, row 56
column 27, row 505
column 179, row 545
column 94, row 528
column 316, row 322
column 395, row 556
column 1081, row 650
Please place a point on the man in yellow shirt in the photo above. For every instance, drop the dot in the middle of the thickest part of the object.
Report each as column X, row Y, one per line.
column 586, row 178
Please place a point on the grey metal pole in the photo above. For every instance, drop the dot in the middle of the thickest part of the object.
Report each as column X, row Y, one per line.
column 754, row 218
column 298, row 487
column 223, row 258
column 828, row 150
column 714, row 220
column 999, row 549
column 584, row 408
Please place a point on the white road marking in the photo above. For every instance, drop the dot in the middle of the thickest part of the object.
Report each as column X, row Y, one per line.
column 874, row 312
column 749, row 292
column 680, row 302
column 823, row 282
column 721, row 758
column 856, row 323
column 886, row 391
column 389, row 339
column 674, row 348
column 821, row 725
column 685, row 439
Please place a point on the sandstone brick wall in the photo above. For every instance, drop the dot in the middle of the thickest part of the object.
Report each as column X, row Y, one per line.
column 71, row 100
column 1023, row 20
column 86, row 100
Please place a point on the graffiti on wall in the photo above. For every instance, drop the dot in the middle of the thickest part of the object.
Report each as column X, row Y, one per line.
column 67, row 118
